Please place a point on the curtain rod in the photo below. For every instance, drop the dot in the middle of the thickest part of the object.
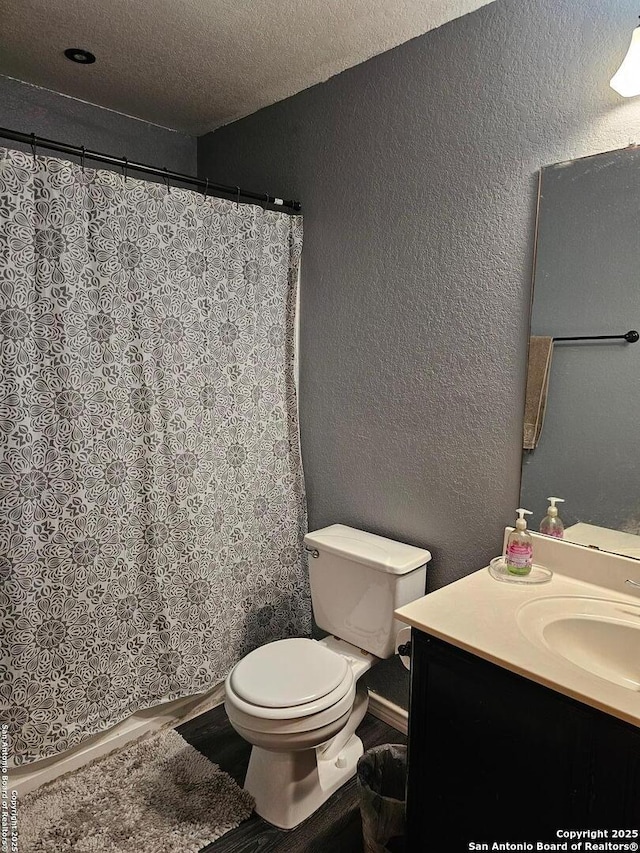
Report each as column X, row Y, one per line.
column 204, row 183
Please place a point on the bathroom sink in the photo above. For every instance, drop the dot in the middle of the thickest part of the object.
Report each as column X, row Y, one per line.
column 599, row 635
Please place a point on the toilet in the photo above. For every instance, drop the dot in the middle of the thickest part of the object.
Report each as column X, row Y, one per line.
column 297, row 701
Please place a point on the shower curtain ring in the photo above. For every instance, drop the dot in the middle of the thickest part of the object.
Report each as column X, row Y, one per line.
column 125, row 166
column 206, row 187
column 238, row 196
column 82, row 151
column 166, row 179
column 33, row 146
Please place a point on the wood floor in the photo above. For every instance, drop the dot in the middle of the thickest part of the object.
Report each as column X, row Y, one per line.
column 334, row 828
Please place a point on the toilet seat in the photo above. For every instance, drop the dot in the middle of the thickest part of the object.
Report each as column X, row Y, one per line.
column 287, row 726
column 306, row 675
column 289, row 672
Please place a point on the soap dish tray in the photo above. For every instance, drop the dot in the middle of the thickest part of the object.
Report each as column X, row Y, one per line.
column 538, row 574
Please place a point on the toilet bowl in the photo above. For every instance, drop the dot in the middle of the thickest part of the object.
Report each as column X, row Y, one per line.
column 297, row 700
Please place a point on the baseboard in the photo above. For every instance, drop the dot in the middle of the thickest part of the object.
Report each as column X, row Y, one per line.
column 390, row 713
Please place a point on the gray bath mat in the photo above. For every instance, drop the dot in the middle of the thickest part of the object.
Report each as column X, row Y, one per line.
column 158, row 795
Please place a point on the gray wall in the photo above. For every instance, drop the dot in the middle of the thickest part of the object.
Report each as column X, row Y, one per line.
column 417, row 174
column 32, row 110
column 586, row 282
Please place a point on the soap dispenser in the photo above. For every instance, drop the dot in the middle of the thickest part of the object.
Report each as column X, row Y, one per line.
column 551, row 524
column 519, row 558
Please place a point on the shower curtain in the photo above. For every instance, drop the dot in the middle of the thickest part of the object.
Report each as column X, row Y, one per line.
column 151, row 493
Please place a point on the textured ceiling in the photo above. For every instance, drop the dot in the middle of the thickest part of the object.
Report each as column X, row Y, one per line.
column 194, row 65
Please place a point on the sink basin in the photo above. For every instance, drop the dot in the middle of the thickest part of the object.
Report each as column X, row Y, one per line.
column 599, row 635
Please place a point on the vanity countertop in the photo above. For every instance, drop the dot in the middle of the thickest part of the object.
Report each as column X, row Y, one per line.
column 481, row 615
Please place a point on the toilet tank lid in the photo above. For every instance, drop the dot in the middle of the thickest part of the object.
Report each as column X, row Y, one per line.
column 384, row 555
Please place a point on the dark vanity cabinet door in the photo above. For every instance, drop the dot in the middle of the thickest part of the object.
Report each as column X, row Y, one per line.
column 615, row 778
column 496, row 757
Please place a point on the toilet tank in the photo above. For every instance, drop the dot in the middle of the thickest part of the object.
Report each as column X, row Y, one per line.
column 358, row 579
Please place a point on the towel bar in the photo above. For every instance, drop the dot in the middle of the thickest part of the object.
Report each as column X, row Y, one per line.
column 631, row 337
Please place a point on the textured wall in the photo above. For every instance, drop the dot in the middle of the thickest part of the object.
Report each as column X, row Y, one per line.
column 417, row 174
column 31, row 110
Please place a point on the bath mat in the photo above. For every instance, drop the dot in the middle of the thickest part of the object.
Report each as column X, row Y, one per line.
column 157, row 795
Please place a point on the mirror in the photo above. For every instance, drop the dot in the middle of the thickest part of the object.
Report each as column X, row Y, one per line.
column 587, row 282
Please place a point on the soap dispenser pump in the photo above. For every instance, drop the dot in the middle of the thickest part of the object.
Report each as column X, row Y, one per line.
column 551, row 524
column 519, row 558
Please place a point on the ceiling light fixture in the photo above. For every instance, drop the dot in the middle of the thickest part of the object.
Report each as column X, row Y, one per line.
column 77, row 54
column 626, row 80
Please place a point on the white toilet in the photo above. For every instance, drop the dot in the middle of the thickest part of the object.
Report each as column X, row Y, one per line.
column 297, row 700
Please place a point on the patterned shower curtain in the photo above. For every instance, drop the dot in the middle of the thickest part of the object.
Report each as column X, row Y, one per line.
column 151, row 493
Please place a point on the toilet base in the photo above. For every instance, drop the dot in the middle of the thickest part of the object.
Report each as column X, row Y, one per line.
column 290, row 786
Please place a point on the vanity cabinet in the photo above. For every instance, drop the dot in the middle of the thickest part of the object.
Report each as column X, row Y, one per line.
column 494, row 757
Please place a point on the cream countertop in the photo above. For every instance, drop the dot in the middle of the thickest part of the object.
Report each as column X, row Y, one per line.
column 478, row 613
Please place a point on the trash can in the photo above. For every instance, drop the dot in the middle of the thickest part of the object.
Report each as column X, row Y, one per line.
column 381, row 778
